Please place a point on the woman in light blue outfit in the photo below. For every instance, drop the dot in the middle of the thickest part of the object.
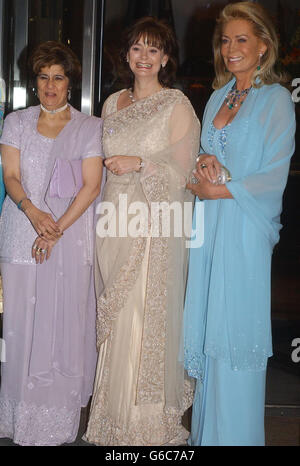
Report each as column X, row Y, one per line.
column 249, row 127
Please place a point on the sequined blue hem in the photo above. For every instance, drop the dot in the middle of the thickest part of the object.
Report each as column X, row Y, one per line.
column 254, row 360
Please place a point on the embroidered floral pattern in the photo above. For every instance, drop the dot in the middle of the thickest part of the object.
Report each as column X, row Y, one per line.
column 151, row 372
column 29, row 424
column 161, row 425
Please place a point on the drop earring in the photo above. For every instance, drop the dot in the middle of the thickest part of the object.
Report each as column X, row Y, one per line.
column 69, row 94
column 35, row 92
column 259, row 59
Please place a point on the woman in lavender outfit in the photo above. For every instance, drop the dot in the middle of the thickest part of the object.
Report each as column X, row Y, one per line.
column 52, row 166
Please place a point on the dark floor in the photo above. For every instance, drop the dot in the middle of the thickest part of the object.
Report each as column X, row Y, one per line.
column 283, row 387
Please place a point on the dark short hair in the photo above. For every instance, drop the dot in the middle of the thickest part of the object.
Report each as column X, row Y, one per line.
column 55, row 53
column 159, row 34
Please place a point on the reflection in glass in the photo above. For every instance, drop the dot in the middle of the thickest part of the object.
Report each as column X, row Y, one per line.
column 56, row 20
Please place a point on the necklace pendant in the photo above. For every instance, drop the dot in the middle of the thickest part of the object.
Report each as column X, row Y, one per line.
column 234, row 97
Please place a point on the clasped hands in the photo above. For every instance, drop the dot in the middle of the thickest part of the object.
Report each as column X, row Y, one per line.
column 48, row 232
column 206, row 172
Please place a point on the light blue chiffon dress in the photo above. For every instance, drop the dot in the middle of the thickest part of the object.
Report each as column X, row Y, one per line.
column 227, row 328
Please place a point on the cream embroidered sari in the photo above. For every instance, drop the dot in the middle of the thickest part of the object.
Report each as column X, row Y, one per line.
column 140, row 390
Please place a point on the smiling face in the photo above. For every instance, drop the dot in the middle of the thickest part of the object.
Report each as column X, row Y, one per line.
column 240, row 48
column 145, row 60
column 52, row 87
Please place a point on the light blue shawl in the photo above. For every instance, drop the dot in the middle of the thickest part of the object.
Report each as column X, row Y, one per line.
column 227, row 311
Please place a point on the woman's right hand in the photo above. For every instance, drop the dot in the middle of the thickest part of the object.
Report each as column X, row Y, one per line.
column 209, row 167
column 43, row 223
column 42, row 249
column 122, row 164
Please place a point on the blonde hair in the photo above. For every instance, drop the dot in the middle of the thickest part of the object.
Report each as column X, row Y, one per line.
column 263, row 28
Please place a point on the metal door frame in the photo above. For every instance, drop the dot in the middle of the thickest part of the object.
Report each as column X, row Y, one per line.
column 92, row 55
column 21, row 13
column 88, row 56
column 1, row 36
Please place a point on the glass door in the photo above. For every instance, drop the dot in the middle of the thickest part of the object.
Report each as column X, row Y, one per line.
column 30, row 22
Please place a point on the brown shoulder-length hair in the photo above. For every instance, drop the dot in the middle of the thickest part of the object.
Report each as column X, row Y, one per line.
column 158, row 34
column 55, row 53
column 263, row 28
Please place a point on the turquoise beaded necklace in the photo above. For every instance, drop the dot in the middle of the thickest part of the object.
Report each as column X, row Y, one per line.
column 233, row 98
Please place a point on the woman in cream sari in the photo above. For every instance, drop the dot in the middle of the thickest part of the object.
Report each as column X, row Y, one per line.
column 140, row 393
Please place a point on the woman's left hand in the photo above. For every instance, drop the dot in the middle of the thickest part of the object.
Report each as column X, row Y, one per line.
column 203, row 189
column 209, row 167
column 121, row 164
column 42, row 249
